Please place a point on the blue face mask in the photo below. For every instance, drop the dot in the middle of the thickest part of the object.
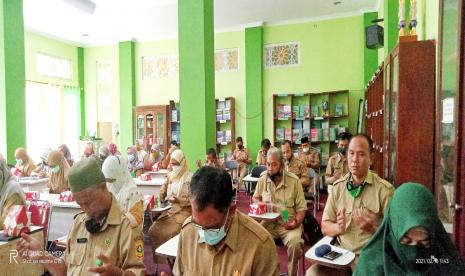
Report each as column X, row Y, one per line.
column 131, row 157
column 19, row 162
column 213, row 236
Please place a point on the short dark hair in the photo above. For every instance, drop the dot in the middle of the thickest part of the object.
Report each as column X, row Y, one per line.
column 344, row 136
column 366, row 137
column 287, row 142
column 239, row 139
column 174, row 143
column 266, row 143
column 211, row 186
column 212, row 152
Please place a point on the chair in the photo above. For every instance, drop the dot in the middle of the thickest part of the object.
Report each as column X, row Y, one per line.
column 41, row 213
column 314, row 196
column 232, row 167
column 256, row 172
column 279, row 242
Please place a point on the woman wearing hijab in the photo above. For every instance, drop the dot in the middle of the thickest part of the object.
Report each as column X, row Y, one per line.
column 24, row 163
column 67, row 154
column 89, row 150
column 10, row 192
column 135, row 165
column 121, row 185
column 113, row 149
column 43, row 170
column 155, row 155
column 175, row 190
column 59, row 169
column 411, row 239
column 103, row 153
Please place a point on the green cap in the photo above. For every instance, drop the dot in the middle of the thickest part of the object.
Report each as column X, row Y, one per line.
column 84, row 174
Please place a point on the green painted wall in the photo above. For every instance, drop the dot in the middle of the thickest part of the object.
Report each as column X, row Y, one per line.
column 12, row 67
column 82, row 94
column 332, row 59
column 127, row 88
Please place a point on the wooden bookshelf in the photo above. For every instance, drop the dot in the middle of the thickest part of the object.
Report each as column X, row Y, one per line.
column 174, row 131
column 151, row 126
column 225, row 127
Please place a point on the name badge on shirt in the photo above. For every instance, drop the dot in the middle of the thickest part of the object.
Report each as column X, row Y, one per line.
column 82, row 240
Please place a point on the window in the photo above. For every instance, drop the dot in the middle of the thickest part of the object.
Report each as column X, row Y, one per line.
column 52, row 118
column 54, row 67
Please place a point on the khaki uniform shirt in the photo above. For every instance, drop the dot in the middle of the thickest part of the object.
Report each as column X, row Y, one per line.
column 311, row 158
column 241, row 156
column 261, row 158
column 184, row 205
column 120, row 241
column 374, row 197
column 337, row 164
column 247, row 250
column 299, row 168
column 287, row 194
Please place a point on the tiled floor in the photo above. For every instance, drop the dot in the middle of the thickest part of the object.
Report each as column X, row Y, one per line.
column 243, row 205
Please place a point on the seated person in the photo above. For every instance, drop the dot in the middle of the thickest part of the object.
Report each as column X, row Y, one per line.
column 113, row 149
column 175, row 189
column 24, row 163
column 218, row 239
column 103, row 153
column 309, row 155
column 295, row 165
column 59, row 168
column 410, row 234
column 242, row 156
column 166, row 161
column 211, row 160
column 123, row 188
column 102, row 232
column 67, row 154
column 141, row 153
column 135, row 165
column 284, row 192
column 261, row 155
column 89, row 150
column 155, row 156
column 356, row 205
column 42, row 170
column 10, row 191
column 337, row 164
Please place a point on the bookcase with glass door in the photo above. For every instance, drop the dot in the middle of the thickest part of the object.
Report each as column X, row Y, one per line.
column 151, row 126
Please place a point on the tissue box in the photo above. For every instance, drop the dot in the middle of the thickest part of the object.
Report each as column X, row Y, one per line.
column 30, row 195
column 149, row 202
column 258, row 208
column 15, row 172
column 66, row 196
column 16, row 221
column 146, row 177
column 156, row 167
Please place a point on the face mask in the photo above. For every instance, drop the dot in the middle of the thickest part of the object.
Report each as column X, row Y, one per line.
column 213, row 236
column 56, row 169
column 19, row 162
column 131, row 157
column 343, row 151
column 176, row 169
column 305, row 150
column 240, row 146
column 412, row 253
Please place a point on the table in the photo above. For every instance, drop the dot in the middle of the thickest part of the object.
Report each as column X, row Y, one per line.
column 10, row 261
column 265, row 216
column 342, row 262
column 33, row 183
column 151, row 187
column 62, row 216
column 169, row 248
column 249, row 181
column 162, row 173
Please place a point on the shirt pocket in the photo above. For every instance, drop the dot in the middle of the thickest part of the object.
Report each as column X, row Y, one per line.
column 76, row 255
column 372, row 205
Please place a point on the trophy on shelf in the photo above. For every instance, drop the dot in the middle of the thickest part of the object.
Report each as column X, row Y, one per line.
column 410, row 35
column 325, row 108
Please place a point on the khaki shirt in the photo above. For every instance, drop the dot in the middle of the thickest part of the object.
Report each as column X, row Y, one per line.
column 311, row 158
column 299, row 168
column 261, row 158
column 374, row 197
column 14, row 199
column 120, row 241
column 337, row 164
column 241, row 156
column 288, row 193
column 248, row 249
column 184, row 205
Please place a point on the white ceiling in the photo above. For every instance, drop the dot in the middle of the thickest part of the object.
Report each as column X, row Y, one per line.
column 142, row 20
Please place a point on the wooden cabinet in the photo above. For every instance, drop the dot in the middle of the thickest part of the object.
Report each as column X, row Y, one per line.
column 151, row 126
column 225, row 127
column 175, row 123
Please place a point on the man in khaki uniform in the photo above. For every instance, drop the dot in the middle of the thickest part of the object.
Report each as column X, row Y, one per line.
column 242, row 157
column 261, row 155
column 295, row 165
column 356, row 205
column 284, row 192
column 217, row 239
column 102, row 239
column 309, row 155
column 337, row 164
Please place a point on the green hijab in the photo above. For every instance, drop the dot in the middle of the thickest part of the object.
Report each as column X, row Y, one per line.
column 411, row 206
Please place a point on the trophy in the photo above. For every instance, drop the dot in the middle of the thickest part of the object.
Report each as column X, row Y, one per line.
column 325, row 108
column 413, row 18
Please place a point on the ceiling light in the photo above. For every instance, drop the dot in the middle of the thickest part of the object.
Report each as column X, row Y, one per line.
column 86, row 6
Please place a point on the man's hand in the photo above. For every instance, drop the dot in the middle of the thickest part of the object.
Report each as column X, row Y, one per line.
column 29, row 244
column 108, row 267
column 366, row 220
column 341, row 220
column 291, row 224
column 173, row 199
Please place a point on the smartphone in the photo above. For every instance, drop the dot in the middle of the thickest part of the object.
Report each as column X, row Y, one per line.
column 332, row 255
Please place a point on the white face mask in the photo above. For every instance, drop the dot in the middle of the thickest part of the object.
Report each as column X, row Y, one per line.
column 176, row 169
column 305, row 150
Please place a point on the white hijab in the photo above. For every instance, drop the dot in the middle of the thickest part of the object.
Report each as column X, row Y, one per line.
column 8, row 185
column 124, row 188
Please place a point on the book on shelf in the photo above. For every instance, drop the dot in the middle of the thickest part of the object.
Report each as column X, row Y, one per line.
column 306, row 132
column 175, row 135
column 296, row 135
column 280, row 134
column 227, row 104
column 314, row 110
column 174, row 115
column 338, row 109
column 314, row 135
column 306, row 111
column 297, row 124
column 228, row 136
column 219, row 137
column 325, row 133
column 316, row 124
column 332, row 134
column 221, row 104
column 301, row 114
column 341, row 130
column 226, row 114
column 324, row 124
column 287, row 111
column 295, row 111
column 288, row 134
column 280, row 111
column 219, row 114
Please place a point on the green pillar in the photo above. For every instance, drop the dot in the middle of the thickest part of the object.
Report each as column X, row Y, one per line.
column 12, row 79
column 127, row 89
column 82, row 94
column 370, row 56
column 254, row 88
column 391, row 20
column 196, row 78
